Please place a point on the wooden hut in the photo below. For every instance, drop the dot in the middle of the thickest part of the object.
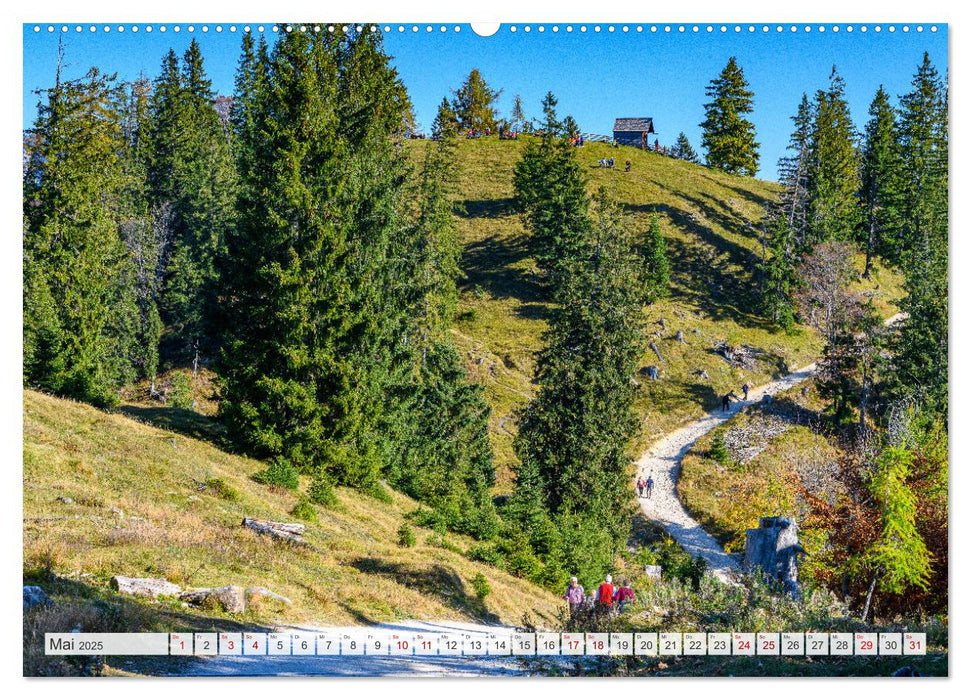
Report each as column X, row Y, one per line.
column 633, row 131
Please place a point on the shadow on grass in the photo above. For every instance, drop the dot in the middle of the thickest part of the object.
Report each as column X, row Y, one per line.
column 84, row 607
column 486, row 208
column 436, row 580
column 495, row 265
column 178, row 420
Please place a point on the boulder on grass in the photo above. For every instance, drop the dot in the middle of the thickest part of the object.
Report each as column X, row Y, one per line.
column 257, row 594
column 34, row 596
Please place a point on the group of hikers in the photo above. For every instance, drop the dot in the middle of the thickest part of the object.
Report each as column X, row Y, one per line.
column 645, row 487
column 605, row 599
column 577, row 141
column 727, row 398
column 609, row 164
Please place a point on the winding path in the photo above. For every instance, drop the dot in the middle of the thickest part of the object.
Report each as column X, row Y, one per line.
column 662, row 460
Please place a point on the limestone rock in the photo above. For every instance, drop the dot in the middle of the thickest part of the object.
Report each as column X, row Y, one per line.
column 34, row 596
column 255, row 594
column 653, row 572
column 773, row 548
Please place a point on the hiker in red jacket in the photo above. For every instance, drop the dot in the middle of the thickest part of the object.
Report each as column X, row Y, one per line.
column 604, row 599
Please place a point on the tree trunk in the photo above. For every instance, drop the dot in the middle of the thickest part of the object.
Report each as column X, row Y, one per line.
column 291, row 532
column 869, row 596
column 146, row 587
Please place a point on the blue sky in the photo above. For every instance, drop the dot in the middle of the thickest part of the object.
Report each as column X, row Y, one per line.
column 596, row 76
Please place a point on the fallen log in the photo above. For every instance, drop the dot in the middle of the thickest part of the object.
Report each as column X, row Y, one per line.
column 290, row 532
column 229, row 598
column 256, row 593
column 146, row 587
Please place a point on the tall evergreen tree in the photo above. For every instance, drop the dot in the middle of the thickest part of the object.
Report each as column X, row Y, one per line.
column 446, row 122
column 192, row 182
column 551, row 194
column 729, row 138
column 786, row 235
column 574, row 436
column 79, row 310
column 922, row 359
column 833, row 179
column 879, row 180
column 474, row 103
column 518, row 115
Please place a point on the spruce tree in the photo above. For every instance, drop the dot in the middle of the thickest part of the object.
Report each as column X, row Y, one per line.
column 446, row 122
column 729, row 138
column 922, row 358
column 518, row 115
column 833, row 179
column 879, row 181
column 683, row 149
column 551, row 193
column 474, row 103
column 79, row 311
column 785, row 238
column 192, row 183
column 574, row 435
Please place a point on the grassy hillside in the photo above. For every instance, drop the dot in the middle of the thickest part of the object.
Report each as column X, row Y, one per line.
column 710, row 223
column 105, row 494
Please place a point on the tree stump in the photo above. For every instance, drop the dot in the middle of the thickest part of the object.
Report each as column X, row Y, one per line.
column 773, row 548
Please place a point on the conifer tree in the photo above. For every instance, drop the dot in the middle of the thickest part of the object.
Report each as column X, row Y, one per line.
column 574, row 434
column 922, row 358
column 474, row 103
column 518, row 115
column 446, row 122
column 192, row 180
column 785, row 223
column 79, row 311
column 683, row 149
column 879, row 181
column 551, row 194
column 658, row 271
column 833, row 178
column 729, row 138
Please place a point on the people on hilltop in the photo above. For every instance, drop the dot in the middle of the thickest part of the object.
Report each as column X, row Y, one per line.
column 627, row 167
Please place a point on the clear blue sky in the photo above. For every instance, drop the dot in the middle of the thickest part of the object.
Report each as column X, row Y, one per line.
column 595, row 76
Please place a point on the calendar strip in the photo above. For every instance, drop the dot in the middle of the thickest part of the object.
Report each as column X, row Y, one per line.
column 376, row 642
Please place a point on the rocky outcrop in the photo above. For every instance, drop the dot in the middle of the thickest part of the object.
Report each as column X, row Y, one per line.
column 228, row 598
column 145, row 587
column 773, row 548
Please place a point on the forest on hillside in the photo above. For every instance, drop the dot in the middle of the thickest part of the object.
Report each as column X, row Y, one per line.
column 280, row 239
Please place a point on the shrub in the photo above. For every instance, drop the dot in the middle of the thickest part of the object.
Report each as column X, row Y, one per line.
column 181, row 394
column 719, row 450
column 279, row 472
column 406, row 536
column 221, row 489
column 481, row 586
column 487, row 554
column 304, row 510
column 321, row 491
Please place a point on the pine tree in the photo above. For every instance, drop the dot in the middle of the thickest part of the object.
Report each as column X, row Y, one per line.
column 729, row 138
column 879, row 180
column 922, row 358
column 833, row 179
column 658, row 271
column 79, row 314
column 474, row 103
column 683, row 149
column 571, row 128
column 551, row 194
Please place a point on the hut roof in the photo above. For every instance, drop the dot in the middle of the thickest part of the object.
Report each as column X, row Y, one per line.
column 637, row 124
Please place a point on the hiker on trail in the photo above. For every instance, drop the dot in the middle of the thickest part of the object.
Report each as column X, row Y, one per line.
column 745, row 388
column 625, row 596
column 574, row 596
column 727, row 400
column 604, row 599
column 610, row 162
column 640, row 487
column 649, row 485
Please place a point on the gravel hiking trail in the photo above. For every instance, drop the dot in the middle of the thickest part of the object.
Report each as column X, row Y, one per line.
column 662, row 461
